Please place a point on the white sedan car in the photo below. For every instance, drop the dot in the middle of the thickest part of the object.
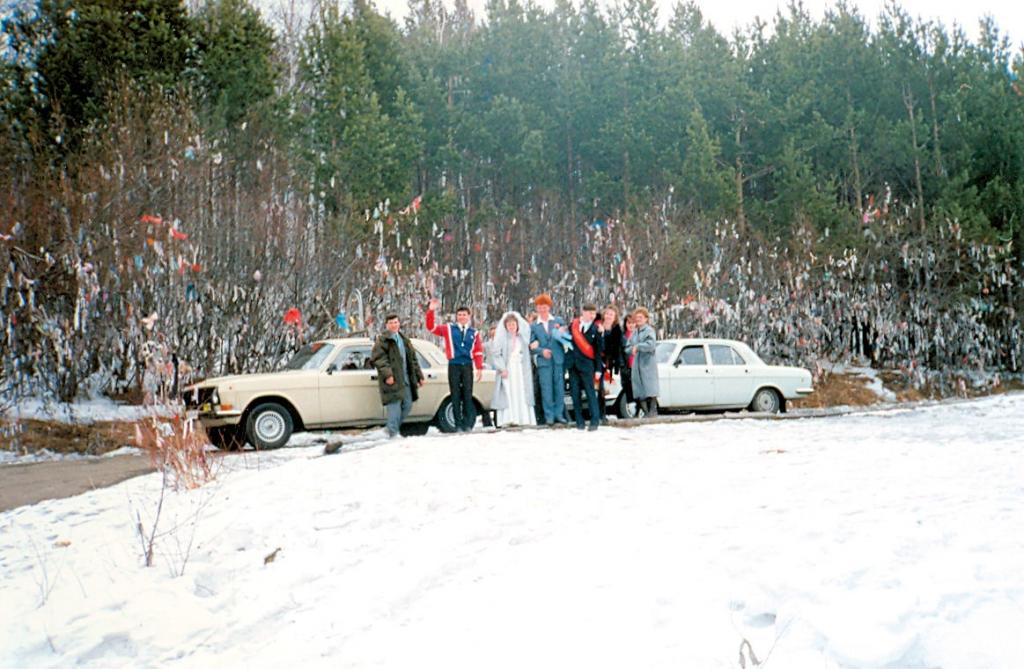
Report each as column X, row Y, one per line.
column 717, row 374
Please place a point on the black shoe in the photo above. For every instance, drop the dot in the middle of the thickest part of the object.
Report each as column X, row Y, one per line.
column 579, row 427
column 592, row 428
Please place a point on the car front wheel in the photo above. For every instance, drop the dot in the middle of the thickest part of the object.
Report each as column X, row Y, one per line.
column 766, row 400
column 226, row 438
column 269, row 426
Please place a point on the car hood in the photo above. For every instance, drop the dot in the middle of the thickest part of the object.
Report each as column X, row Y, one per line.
column 287, row 379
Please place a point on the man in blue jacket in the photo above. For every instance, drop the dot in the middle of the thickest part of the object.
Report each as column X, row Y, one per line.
column 549, row 357
column 465, row 350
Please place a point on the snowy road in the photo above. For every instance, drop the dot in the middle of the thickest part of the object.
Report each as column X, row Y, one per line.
column 887, row 539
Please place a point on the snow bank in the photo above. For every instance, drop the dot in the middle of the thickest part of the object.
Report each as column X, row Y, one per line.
column 885, row 539
column 46, row 455
column 83, row 412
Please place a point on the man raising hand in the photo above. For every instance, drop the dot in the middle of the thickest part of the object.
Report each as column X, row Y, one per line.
column 465, row 350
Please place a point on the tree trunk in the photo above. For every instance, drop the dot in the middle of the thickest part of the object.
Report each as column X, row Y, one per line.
column 741, row 213
column 568, row 171
column 908, row 100
column 855, row 159
column 936, row 148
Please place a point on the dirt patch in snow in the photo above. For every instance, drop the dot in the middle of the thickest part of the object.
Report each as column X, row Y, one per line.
column 32, row 435
column 31, row 483
column 839, row 389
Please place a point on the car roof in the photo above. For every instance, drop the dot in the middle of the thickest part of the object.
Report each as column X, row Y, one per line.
column 364, row 340
column 703, row 340
column 425, row 347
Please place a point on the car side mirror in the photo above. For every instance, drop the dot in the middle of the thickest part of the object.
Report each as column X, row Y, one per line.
column 677, row 363
column 331, row 368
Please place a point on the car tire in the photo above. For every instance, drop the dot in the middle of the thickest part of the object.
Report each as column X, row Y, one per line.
column 766, row 400
column 445, row 418
column 269, row 426
column 624, row 408
column 226, row 438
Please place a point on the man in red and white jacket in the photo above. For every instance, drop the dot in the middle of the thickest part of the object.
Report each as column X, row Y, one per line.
column 465, row 350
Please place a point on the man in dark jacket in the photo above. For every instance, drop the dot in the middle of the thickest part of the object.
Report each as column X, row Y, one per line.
column 585, row 365
column 398, row 373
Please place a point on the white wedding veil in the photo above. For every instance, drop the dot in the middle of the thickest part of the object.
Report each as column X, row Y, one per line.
column 501, row 335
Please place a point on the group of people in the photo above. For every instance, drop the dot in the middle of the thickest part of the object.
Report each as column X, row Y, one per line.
column 531, row 357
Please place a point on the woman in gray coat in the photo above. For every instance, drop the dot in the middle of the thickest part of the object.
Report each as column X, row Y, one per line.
column 513, row 394
column 643, row 342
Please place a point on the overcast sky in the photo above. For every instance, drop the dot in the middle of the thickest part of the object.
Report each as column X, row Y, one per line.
column 729, row 14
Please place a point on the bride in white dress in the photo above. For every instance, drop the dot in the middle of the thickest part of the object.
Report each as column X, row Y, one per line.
column 513, row 394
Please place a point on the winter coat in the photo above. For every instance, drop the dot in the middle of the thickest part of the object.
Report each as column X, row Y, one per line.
column 501, row 348
column 576, row 359
column 387, row 360
column 644, row 342
column 614, row 340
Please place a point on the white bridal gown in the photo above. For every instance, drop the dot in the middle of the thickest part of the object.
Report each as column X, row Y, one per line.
column 518, row 411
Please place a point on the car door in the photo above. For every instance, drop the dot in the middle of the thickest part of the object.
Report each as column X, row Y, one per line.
column 733, row 382
column 691, row 384
column 433, row 391
column 348, row 388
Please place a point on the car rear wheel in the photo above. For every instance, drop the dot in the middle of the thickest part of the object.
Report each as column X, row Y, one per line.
column 766, row 400
column 269, row 426
column 226, row 438
column 624, row 408
column 445, row 418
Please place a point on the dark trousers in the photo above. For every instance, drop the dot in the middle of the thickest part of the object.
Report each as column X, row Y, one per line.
column 627, row 383
column 538, row 404
column 460, row 383
column 582, row 378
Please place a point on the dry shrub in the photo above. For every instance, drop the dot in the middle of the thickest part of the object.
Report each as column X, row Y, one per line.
column 177, row 448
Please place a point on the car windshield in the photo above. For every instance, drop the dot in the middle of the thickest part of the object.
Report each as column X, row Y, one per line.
column 310, row 356
column 664, row 351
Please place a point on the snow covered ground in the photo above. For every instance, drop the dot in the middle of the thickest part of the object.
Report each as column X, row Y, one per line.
column 85, row 411
column 46, row 455
column 892, row 538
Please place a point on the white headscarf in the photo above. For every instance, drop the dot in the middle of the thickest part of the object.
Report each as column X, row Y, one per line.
column 501, row 337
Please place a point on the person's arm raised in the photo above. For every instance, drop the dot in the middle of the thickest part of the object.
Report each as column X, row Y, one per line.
column 432, row 326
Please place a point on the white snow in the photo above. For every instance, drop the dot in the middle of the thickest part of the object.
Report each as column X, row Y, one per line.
column 8, row 457
column 891, row 538
column 84, row 411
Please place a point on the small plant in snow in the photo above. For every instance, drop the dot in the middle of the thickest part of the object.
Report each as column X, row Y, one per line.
column 179, row 452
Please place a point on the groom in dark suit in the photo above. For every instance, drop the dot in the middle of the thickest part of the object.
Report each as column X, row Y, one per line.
column 549, row 359
column 585, row 365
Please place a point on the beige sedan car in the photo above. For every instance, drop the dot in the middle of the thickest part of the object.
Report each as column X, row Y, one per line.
column 328, row 384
